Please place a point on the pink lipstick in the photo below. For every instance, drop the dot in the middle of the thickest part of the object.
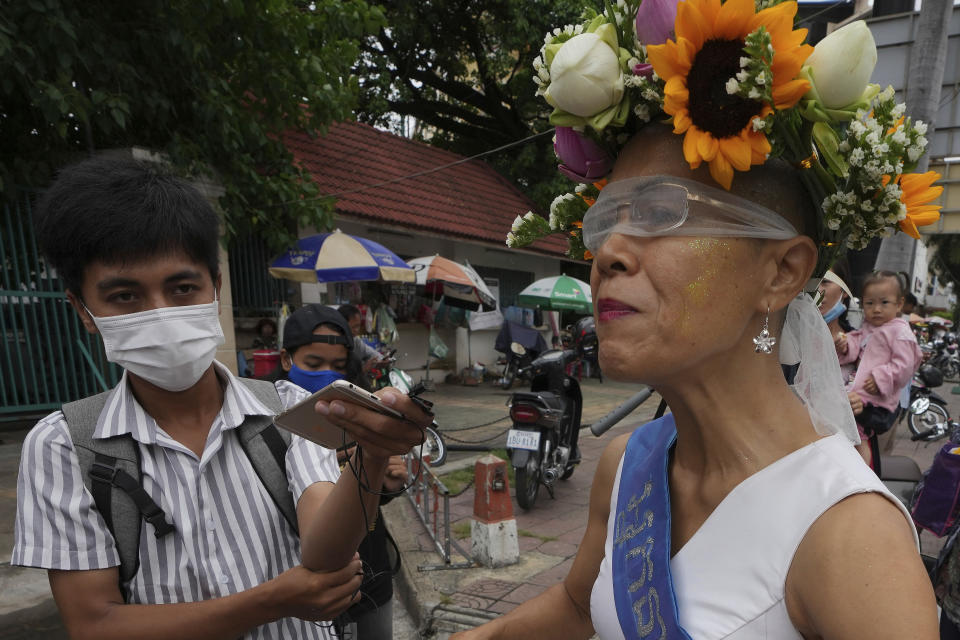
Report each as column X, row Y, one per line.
column 610, row 309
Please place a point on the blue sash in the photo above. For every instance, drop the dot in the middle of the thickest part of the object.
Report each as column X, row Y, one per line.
column 642, row 586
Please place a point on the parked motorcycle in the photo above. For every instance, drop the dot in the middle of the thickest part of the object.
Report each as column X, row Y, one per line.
column 946, row 356
column 546, row 422
column 386, row 373
column 516, row 364
column 927, row 413
column 520, row 345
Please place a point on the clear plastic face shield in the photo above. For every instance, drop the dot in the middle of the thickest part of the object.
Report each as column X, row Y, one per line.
column 669, row 206
column 654, row 206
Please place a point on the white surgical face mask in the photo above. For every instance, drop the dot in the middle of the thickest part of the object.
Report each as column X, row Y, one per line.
column 169, row 347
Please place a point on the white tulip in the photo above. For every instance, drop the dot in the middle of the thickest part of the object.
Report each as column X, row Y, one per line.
column 841, row 64
column 585, row 76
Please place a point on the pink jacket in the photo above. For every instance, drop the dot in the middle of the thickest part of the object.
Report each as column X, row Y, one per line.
column 889, row 353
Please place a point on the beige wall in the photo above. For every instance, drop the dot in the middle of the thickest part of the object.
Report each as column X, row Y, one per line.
column 227, row 353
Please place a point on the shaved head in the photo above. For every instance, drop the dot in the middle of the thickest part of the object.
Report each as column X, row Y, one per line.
column 656, row 150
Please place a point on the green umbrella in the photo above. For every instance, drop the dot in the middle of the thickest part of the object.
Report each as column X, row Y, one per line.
column 559, row 293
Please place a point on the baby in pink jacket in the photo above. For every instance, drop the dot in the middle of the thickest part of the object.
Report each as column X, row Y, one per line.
column 887, row 351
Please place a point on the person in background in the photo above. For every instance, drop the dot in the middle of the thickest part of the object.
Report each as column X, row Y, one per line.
column 266, row 334
column 909, row 305
column 317, row 349
column 886, row 353
column 138, row 251
column 367, row 354
column 834, row 292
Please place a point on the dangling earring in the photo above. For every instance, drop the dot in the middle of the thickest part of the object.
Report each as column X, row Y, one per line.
column 764, row 342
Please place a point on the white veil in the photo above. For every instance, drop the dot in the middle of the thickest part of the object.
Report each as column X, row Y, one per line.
column 806, row 340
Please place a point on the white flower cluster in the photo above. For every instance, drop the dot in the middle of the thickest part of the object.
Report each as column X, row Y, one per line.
column 541, row 77
column 754, row 81
column 859, row 219
column 556, row 223
column 622, row 13
column 879, row 146
column 526, row 229
column 646, row 94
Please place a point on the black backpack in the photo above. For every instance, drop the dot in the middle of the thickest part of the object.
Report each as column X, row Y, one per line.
column 114, row 462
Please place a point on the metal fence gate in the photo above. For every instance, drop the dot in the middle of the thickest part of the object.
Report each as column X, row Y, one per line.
column 46, row 356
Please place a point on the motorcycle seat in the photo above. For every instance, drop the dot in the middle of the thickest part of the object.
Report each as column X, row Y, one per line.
column 900, row 468
column 546, row 398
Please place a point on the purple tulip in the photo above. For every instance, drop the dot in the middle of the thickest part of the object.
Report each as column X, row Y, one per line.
column 655, row 20
column 582, row 159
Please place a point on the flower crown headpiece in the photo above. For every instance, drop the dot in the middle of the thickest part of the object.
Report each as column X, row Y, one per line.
column 737, row 81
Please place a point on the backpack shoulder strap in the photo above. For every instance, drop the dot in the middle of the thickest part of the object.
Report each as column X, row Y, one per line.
column 113, row 462
column 266, row 447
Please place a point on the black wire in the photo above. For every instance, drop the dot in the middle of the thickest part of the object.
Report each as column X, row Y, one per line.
column 363, row 483
column 493, row 437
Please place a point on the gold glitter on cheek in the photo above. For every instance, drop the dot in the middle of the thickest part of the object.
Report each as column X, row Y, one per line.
column 710, row 253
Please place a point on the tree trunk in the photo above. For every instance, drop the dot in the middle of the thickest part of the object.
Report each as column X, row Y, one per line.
column 928, row 57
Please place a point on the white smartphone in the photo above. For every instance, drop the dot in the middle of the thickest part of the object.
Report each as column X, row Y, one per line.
column 303, row 420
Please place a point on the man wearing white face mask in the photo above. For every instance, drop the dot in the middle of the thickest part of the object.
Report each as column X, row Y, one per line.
column 245, row 532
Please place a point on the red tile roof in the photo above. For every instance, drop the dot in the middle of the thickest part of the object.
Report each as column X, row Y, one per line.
column 470, row 200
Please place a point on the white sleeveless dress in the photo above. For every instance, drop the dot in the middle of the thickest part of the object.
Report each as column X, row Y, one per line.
column 729, row 578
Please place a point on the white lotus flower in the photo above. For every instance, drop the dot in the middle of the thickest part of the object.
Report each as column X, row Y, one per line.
column 841, row 64
column 585, row 76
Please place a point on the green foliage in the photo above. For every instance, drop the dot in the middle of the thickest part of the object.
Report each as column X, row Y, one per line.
column 212, row 84
column 464, row 71
column 457, row 481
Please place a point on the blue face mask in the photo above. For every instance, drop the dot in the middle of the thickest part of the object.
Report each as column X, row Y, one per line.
column 312, row 381
column 835, row 312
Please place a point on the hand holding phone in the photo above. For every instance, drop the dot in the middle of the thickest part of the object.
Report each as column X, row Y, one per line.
column 304, row 420
column 340, row 413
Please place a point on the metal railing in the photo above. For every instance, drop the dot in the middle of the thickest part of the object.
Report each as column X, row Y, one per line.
column 46, row 356
column 431, row 500
column 255, row 292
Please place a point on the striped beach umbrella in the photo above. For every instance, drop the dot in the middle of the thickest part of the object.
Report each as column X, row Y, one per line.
column 559, row 293
column 456, row 284
column 338, row 257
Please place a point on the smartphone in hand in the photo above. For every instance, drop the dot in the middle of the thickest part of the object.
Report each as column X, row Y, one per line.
column 303, row 419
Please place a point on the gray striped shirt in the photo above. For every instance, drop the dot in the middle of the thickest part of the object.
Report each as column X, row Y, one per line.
column 229, row 536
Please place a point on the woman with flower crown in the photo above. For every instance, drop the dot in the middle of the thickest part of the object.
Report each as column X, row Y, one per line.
column 745, row 512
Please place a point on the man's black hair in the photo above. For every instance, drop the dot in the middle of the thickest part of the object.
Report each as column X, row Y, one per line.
column 910, row 299
column 118, row 210
column 348, row 311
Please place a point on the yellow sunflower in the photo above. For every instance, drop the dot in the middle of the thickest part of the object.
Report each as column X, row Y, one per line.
column 916, row 193
column 697, row 65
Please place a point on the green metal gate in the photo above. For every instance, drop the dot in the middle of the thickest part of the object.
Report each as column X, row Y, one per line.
column 46, row 356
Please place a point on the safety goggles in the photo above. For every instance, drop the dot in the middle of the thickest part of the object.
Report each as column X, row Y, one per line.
column 669, row 206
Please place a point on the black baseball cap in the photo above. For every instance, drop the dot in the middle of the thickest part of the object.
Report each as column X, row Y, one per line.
column 299, row 327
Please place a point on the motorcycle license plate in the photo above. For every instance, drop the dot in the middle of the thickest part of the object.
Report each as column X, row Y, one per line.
column 519, row 439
